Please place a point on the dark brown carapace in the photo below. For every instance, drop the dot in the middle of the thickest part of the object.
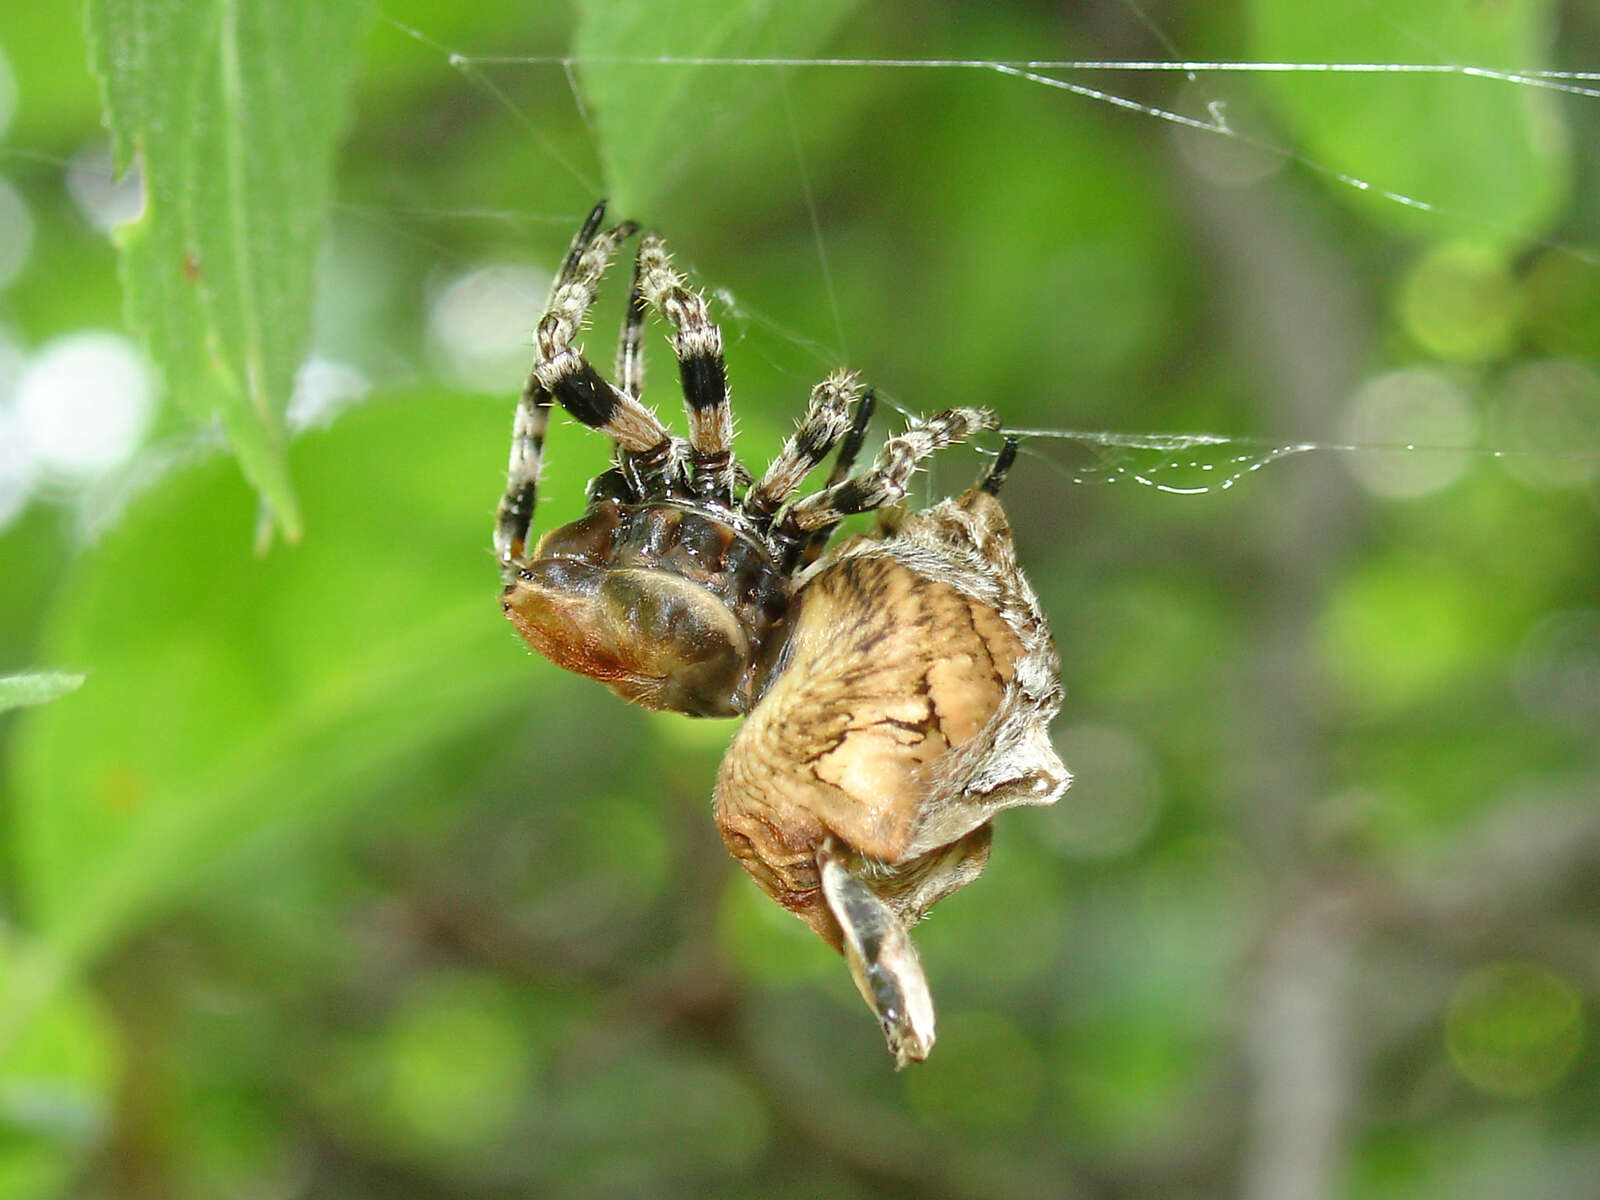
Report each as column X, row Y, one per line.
column 670, row 607
column 897, row 686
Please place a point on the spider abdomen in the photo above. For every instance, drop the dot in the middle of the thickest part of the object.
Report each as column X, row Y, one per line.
column 908, row 687
column 670, row 607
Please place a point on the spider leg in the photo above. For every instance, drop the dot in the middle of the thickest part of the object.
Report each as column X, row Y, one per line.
column 885, row 481
column 1002, row 466
column 697, row 342
column 883, row 961
column 630, row 481
column 630, row 356
column 561, row 369
column 849, row 449
column 561, row 374
column 826, row 420
column 515, row 514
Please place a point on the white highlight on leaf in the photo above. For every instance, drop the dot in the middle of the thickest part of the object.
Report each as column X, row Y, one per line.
column 104, row 200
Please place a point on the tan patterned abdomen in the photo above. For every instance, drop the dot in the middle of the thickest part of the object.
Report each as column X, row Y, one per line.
column 891, row 674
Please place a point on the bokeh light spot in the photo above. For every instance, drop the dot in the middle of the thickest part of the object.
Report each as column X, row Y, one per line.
column 1514, row 1028
column 1241, row 152
column 1548, row 419
column 480, row 323
column 1425, row 416
column 1129, row 1081
column 1460, row 303
column 16, row 470
column 84, row 402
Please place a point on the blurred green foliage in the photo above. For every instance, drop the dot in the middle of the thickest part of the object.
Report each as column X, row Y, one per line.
column 232, row 113
column 320, row 886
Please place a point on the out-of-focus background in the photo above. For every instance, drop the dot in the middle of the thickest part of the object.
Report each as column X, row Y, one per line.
column 320, row 885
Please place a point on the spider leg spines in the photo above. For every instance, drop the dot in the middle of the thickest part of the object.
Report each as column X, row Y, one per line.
column 595, row 402
column 803, row 555
column 885, row 481
column 697, row 343
column 573, row 291
column 630, row 347
column 566, row 375
column 584, row 236
column 850, row 448
column 561, row 374
column 515, row 514
column 826, row 420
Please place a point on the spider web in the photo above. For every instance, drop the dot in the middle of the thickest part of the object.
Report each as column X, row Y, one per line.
column 1183, row 462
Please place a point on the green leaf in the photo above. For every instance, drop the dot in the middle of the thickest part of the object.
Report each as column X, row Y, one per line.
column 17, row 691
column 653, row 118
column 238, row 698
column 1489, row 157
column 56, row 1075
column 233, row 110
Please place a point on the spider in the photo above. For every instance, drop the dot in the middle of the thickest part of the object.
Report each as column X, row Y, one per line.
column 896, row 686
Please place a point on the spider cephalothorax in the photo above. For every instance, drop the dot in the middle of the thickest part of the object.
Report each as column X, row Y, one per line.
column 898, row 685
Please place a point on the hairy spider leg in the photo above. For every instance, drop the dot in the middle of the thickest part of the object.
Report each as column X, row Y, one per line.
column 885, row 481
column 561, row 373
column 825, row 421
column 515, row 513
column 849, row 450
column 697, row 343
column 630, row 378
column 854, row 438
column 630, row 347
column 580, row 242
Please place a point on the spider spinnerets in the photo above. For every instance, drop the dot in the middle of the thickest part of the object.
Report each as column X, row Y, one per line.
column 897, row 686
